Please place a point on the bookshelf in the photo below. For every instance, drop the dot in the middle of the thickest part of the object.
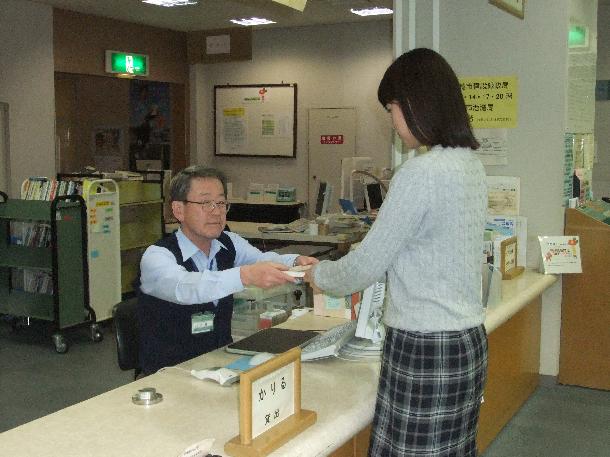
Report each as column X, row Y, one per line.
column 58, row 257
column 141, row 208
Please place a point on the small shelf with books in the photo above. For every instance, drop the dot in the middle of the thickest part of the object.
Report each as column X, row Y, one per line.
column 43, row 263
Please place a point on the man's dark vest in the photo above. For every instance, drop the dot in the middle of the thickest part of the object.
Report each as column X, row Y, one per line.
column 165, row 337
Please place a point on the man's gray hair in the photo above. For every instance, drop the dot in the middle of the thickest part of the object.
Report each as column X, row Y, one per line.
column 181, row 183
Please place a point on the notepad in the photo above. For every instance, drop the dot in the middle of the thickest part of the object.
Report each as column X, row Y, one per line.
column 273, row 340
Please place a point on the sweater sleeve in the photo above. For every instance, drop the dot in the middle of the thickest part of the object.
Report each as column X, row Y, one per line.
column 398, row 221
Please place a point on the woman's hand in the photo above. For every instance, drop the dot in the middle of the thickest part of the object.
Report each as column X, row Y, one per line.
column 308, row 278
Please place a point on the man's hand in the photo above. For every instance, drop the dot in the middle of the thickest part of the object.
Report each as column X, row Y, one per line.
column 264, row 274
column 304, row 260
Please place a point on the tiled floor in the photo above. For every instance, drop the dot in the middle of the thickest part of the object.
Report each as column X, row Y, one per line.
column 35, row 380
column 557, row 421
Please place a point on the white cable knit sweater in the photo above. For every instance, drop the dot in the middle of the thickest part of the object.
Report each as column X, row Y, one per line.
column 428, row 238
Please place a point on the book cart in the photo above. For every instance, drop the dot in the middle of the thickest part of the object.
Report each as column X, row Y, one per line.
column 141, row 219
column 66, row 303
column 103, row 245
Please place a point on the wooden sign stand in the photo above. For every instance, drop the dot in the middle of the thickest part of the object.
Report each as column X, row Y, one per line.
column 508, row 259
column 273, row 375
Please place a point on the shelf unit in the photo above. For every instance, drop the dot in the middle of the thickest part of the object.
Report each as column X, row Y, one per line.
column 141, row 219
column 141, row 208
column 65, row 259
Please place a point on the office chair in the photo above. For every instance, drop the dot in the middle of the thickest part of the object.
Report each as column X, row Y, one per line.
column 125, row 317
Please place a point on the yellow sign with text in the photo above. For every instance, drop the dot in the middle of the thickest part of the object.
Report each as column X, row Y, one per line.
column 491, row 101
column 236, row 112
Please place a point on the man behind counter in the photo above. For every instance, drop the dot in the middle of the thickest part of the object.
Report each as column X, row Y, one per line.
column 188, row 279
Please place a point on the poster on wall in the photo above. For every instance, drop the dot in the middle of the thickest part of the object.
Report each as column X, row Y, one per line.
column 503, row 195
column 255, row 120
column 107, row 145
column 493, row 144
column 492, row 102
column 149, row 122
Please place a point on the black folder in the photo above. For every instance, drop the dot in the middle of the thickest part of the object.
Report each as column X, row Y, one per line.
column 274, row 340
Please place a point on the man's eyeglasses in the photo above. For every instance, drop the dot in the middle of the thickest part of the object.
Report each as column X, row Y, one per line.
column 208, row 206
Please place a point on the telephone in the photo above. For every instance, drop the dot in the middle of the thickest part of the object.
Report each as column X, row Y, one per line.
column 369, row 324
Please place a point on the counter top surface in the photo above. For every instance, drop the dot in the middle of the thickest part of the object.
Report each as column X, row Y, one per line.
column 516, row 293
column 342, row 394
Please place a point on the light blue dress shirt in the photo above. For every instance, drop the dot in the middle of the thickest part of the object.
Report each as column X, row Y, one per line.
column 163, row 278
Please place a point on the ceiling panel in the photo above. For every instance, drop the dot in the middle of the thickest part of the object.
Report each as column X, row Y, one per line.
column 214, row 14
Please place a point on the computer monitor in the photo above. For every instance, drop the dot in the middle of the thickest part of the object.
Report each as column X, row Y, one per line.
column 351, row 186
column 369, row 325
column 373, row 196
column 325, row 191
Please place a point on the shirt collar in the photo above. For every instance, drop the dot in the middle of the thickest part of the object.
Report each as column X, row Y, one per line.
column 189, row 249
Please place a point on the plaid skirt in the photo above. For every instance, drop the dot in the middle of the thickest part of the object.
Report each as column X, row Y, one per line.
column 429, row 394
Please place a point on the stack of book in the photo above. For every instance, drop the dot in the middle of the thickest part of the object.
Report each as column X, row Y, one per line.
column 41, row 188
column 30, row 234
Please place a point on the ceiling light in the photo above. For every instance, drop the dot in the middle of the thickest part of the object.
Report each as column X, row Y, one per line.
column 252, row 21
column 375, row 11
column 170, row 3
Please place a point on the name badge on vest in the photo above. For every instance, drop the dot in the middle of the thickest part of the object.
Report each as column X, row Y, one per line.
column 202, row 323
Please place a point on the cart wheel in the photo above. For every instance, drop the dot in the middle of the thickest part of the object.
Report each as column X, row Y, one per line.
column 96, row 333
column 60, row 342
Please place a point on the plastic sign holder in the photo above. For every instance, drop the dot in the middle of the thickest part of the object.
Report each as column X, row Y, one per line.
column 270, row 411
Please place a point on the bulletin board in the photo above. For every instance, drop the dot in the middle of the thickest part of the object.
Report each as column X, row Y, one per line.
column 258, row 120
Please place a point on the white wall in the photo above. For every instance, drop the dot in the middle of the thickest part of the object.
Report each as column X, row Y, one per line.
column 26, row 84
column 534, row 49
column 601, row 170
column 479, row 39
column 333, row 65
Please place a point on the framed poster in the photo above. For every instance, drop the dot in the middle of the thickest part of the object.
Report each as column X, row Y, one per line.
column 258, row 120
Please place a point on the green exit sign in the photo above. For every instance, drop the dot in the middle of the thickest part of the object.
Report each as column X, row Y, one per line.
column 578, row 36
column 126, row 63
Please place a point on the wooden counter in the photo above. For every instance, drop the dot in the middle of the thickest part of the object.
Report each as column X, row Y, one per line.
column 342, row 394
column 584, row 356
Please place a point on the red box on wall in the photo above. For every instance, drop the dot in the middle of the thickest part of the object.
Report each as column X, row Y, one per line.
column 331, row 139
